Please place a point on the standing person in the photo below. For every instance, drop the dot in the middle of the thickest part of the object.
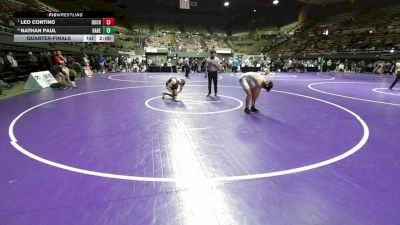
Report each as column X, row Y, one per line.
column 12, row 65
column 101, row 61
column 129, row 64
column 33, row 62
column 212, row 67
column 92, row 63
column 2, row 83
column 329, row 65
column 379, row 69
column 47, row 61
column 186, row 66
column 362, row 66
column 195, row 66
column 397, row 73
column 235, row 65
column 180, row 61
column 86, row 66
column 252, row 82
column 41, row 61
column 203, row 65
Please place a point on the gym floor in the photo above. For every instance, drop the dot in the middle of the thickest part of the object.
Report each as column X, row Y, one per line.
column 323, row 150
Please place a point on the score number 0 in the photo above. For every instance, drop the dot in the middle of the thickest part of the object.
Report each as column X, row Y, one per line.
column 108, row 21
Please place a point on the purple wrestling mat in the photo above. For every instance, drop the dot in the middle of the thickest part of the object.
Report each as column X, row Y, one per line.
column 323, row 150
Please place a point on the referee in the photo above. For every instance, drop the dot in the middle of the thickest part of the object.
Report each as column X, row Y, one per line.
column 212, row 67
column 397, row 75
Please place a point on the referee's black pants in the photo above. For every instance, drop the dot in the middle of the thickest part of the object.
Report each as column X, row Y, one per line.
column 187, row 70
column 213, row 77
column 395, row 80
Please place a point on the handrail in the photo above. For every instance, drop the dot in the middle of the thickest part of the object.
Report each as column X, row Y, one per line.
column 6, row 29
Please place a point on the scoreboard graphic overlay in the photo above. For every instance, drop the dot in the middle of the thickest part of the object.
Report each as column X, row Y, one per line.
column 64, row 26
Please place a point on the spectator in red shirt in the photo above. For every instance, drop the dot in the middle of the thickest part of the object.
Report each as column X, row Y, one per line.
column 60, row 61
column 57, row 59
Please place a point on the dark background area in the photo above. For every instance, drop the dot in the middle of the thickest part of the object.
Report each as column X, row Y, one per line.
column 238, row 16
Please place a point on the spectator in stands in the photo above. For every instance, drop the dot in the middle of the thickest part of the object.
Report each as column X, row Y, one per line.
column 235, row 65
column 41, row 65
column 124, row 64
column 60, row 61
column 329, row 65
column 87, row 70
column 388, row 67
column 47, row 61
column 397, row 75
column 76, row 67
column 33, row 62
column 1, row 65
column 195, row 66
column 93, row 65
column 101, row 61
column 230, row 63
column 169, row 62
column 129, row 64
column 58, row 74
column 107, row 64
column 224, row 65
column 5, row 84
column 340, row 67
column 135, row 66
column 362, row 66
column 203, row 65
column 12, row 65
column 379, row 68
column 85, row 60
column 143, row 66
column 2, row 83
column 186, row 67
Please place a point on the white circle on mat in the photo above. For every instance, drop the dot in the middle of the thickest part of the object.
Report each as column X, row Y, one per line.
column 238, row 106
column 289, row 77
column 303, row 79
column 379, row 90
column 281, row 75
column 159, row 79
column 311, row 86
column 113, row 77
column 354, row 149
column 189, row 79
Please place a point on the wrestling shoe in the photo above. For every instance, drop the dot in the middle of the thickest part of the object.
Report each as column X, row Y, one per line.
column 254, row 110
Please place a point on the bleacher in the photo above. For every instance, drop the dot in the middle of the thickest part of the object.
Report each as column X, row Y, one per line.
column 166, row 28
column 189, row 43
column 337, row 18
column 19, row 54
column 195, row 29
column 159, row 40
column 373, row 29
column 351, row 31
